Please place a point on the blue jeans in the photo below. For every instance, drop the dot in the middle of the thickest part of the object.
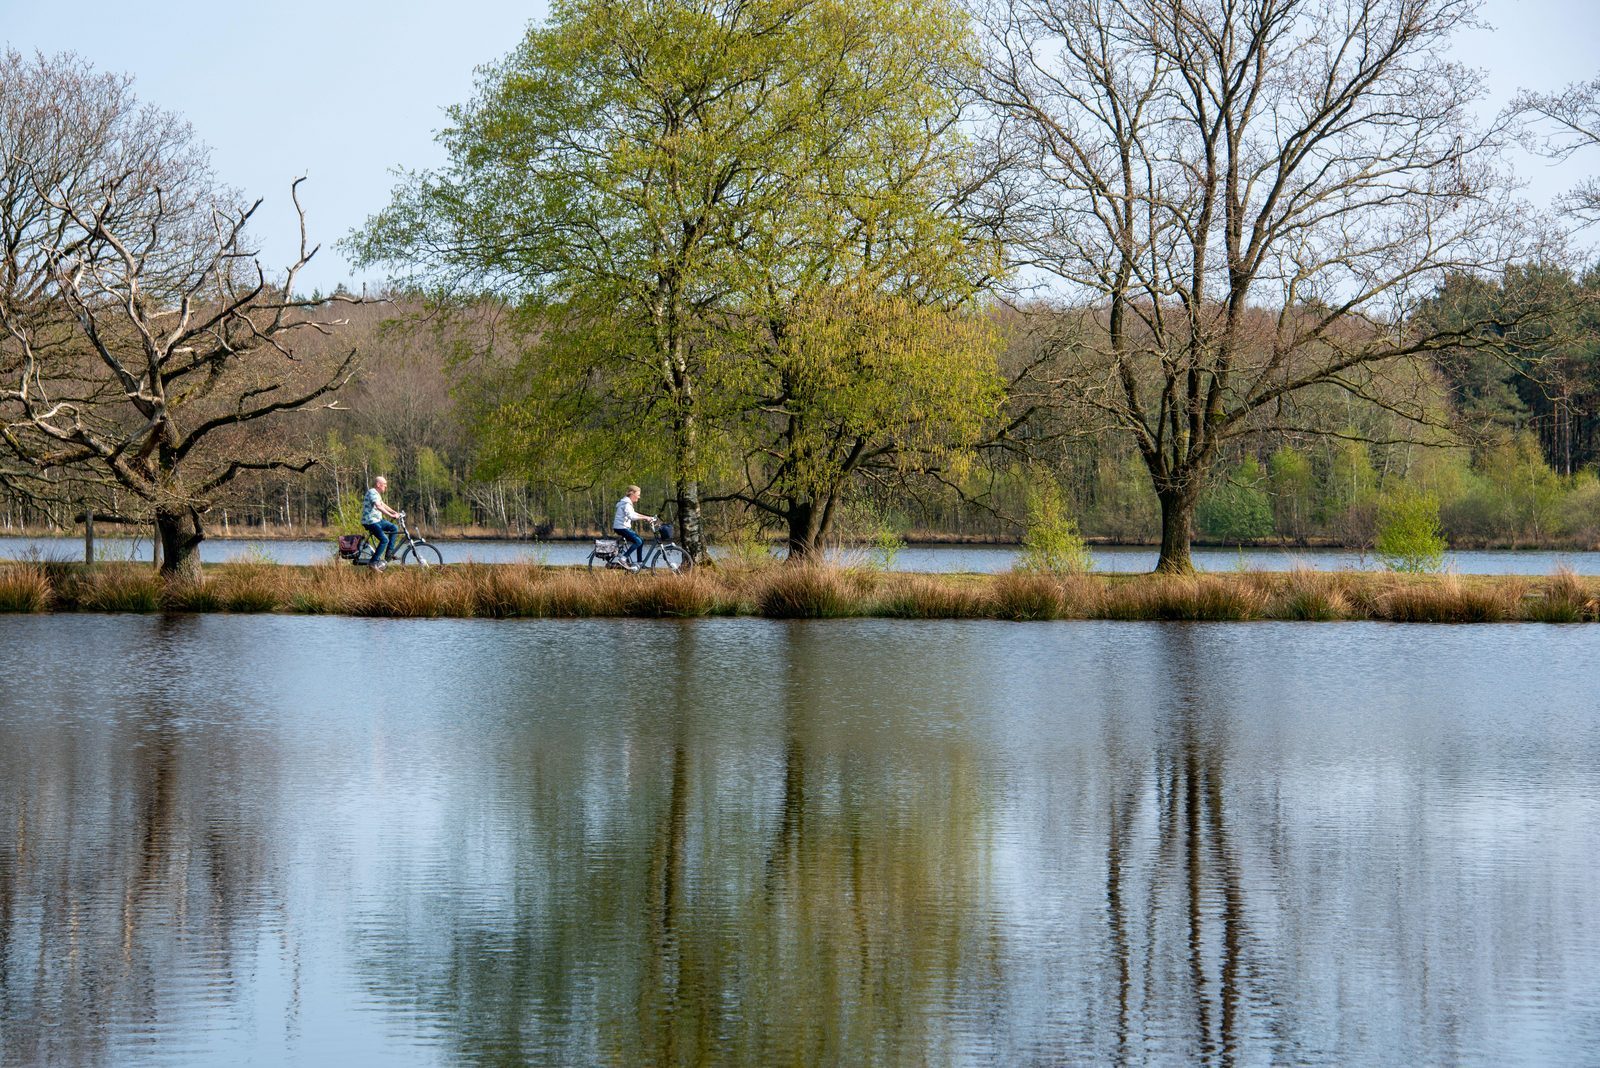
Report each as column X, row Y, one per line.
column 384, row 531
column 635, row 543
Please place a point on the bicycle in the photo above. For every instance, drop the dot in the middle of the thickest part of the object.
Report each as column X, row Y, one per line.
column 359, row 549
column 659, row 553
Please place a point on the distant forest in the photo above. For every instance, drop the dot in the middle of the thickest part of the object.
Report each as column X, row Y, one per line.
column 1509, row 446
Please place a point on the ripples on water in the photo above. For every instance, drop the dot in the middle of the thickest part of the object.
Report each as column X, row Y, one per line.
column 304, row 840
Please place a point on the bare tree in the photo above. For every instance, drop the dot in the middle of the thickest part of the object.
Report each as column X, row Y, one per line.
column 1245, row 199
column 1567, row 122
column 142, row 348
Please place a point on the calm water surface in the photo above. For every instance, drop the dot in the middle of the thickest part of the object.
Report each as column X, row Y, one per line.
column 932, row 558
column 263, row 839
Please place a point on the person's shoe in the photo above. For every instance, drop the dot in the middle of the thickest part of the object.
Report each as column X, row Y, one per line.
column 378, row 565
column 629, row 567
column 389, row 559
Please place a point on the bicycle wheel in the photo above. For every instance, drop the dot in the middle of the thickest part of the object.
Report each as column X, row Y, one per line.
column 424, row 555
column 598, row 562
column 670, row 558
column 364, row 554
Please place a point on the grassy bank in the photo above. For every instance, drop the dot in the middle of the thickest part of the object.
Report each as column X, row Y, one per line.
column 500, row 591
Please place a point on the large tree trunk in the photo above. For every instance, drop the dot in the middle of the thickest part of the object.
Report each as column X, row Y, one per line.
column 1177, row 528
column 802, row 536
column 181, row 535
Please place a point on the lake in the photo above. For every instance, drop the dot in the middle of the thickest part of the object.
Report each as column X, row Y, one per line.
column 298, row 840
column 933, row 558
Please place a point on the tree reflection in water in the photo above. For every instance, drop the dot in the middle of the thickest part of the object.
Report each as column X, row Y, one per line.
column 673, row 897
column 750, row 842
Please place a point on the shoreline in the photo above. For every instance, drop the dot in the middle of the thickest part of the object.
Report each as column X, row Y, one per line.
column 507, row 591
column 922, row 540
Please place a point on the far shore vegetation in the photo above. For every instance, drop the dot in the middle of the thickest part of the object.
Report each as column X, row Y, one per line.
column 807, row 591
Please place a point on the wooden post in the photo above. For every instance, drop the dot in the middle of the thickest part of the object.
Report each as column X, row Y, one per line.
column 88, row 536
column 155, row 546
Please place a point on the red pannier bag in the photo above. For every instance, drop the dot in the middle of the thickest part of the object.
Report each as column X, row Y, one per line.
column 349, row 545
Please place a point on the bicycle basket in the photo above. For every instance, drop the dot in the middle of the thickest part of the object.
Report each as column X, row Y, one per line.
column 350, row 545
column 665, row 531
column 605, row 546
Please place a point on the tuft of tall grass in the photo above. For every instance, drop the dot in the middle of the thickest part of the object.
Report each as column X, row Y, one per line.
column 25, row 588
column 252, row 587
column 506, row 591
column 323, row 589
column 412, row 593
column 1450, row 600
column 670, row 596
column 1028, row 595
column 806, row 591
column 117, row 588
column 928, row 597
column 1306, row 594
column 191, row 597
column 1564, row 598
column 1181, row 597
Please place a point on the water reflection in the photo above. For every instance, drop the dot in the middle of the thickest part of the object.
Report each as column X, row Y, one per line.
column 307, row 840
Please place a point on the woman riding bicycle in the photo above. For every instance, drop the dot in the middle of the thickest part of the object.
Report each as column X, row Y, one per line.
column 622, row 525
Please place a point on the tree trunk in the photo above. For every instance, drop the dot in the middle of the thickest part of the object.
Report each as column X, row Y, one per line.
column 802, row 538
column 691, row 529
column 181, row 535
column 1177, row 526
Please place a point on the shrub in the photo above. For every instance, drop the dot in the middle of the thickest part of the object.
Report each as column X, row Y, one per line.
column 1052, row 543
column 1409, row 538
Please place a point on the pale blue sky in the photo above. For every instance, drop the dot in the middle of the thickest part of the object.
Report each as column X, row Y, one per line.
column 344, row 93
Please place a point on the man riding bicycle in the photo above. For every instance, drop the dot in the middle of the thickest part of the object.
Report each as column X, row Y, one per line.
column 622, row 525
column 373, row 511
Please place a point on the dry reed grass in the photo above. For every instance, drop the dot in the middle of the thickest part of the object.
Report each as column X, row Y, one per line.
column 1450, row 599
column 25, row 588
column 1181, row 597
column 1029, row 595
column 932, row 597
column 806, row 591
column 798, row 591
column 1308, row 595
column 1563, row 598
column 110, row 587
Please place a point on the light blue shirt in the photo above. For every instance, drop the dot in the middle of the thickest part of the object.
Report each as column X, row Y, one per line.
column 369, row 506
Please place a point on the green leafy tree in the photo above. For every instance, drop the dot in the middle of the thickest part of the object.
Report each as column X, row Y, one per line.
column 1293, row 483
column 1238, row 509
column 619, row 176
column 1409, row 538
